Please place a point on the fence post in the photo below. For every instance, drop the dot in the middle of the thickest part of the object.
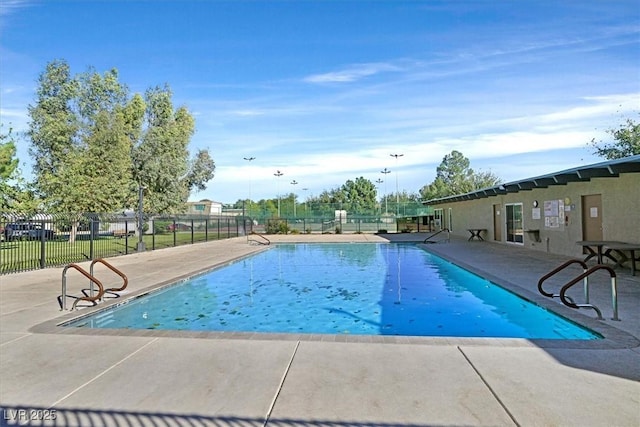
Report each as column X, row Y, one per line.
column 43, row 255
column 174, row 232
column 192, row 231
column 91, row 238
column 126, row 237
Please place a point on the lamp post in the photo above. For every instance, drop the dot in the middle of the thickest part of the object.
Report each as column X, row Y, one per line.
column 294, row 183
column 278, row 174
column 305, row 203
column 397, row 194
column 379, row 181
column 140, row 247
column 249, row 159
column 385, row 172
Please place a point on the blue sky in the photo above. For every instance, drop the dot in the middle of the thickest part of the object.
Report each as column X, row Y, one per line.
column 325, row 91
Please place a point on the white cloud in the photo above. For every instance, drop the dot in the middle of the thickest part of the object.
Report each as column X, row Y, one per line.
column 352, row 73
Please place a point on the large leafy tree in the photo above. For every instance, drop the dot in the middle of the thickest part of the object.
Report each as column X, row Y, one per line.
column 78, row 140
column 626, row 142
column 359, row 196
column 14, row 195
column 455, row 176
column 161, row 161
column 53, row 132
column 94, row 145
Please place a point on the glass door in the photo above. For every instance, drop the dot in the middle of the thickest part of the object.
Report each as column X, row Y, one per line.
column 515, row 230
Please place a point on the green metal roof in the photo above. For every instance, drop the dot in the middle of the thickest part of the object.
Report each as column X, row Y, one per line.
column 608, row 169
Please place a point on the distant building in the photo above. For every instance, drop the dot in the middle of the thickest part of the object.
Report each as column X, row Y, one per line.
column 204, row 207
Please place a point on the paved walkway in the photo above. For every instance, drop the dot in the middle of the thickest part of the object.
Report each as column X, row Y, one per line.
column 163, row 378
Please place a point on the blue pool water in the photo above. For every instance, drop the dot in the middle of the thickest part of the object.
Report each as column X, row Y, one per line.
column 373, row 289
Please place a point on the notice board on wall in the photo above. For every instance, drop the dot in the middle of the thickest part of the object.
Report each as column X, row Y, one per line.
column 554, row 214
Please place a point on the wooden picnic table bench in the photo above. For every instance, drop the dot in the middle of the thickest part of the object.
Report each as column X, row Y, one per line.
column 475, row 233
column 594, row 248
column 123, row 233
column 620, row 249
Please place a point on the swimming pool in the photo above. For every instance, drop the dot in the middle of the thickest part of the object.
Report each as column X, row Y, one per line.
column 358, row 288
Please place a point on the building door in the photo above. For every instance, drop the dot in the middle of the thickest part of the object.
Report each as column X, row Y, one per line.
column 515, row 230
column 437, row 219
column 497, row 223
column 592, row 217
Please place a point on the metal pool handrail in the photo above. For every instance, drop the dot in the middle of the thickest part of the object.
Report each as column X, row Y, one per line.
column 253, row 233
column 90, row 298
column 112, row 268
column 557, row 270
column 427, row 239
column 614, row 291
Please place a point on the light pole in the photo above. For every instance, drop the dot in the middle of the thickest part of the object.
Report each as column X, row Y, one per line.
column 249, row 159
column 397, row 194
column 305, row 203
column 278, row 174
column 379, row 181
column 294, row 183
column 385, row 172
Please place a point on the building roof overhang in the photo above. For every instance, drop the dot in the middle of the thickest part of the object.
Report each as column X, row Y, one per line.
column 608, row 169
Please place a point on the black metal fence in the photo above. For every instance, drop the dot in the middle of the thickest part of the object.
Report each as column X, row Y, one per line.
column 41, row 241
column 44, row 240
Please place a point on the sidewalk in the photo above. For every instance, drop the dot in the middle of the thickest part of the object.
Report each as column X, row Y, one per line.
column 164, row 378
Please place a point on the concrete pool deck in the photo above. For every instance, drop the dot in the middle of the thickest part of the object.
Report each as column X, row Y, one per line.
column 165, row 378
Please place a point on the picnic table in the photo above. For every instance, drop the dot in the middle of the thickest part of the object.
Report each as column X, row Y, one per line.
column 621, row 249
column 594, row 248
column 475, row 233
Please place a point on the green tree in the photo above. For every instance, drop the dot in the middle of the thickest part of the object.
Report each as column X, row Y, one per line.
column 455, row 176
column 94, row 145
column 483, row 179
column 53, row 132
column 161, row 158
column 14, row 195
column 8, row 161
column 78, row 138
column 359, row 196
column 626, row 142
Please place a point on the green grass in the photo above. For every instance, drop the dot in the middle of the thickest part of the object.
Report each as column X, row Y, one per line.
column 26, row 255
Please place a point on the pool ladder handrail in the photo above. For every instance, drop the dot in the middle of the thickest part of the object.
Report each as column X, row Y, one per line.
column 266, row 242
column 559, row 269
column 112, row 268
column 584, row 277
column 92, row 279
column 448, row 239
column 614, row 291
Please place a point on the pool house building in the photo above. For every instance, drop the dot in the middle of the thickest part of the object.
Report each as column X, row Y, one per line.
column 555, row 213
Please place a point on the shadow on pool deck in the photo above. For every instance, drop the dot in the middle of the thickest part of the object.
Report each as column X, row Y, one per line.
column 161, row 378
column 18, row 415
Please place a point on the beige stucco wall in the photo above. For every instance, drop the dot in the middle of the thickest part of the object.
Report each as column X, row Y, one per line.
column 620, row 213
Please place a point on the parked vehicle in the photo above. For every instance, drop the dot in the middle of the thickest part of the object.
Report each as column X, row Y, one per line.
column 178, row 226
column 36, row 233
column 24, row 231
